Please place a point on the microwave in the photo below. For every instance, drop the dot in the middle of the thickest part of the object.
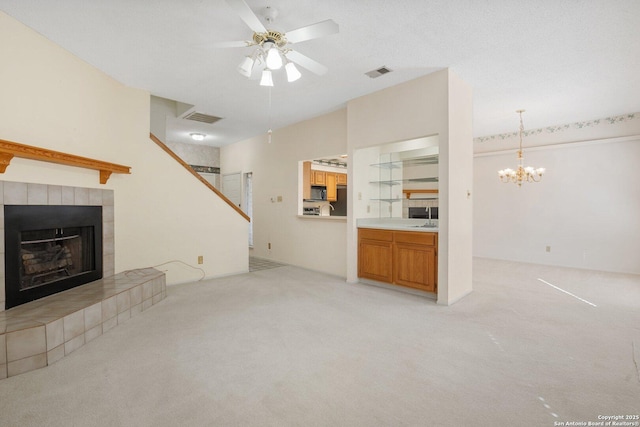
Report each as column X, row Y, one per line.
column 318, row 193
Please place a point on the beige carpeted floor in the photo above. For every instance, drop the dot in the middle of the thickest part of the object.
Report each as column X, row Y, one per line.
column 290, row 347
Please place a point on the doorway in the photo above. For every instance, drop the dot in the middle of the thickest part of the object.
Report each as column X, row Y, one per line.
column 231, row 185
column 248, row 203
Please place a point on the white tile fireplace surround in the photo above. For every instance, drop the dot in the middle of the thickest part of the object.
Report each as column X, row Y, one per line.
column 20, row 193
column 41, row 332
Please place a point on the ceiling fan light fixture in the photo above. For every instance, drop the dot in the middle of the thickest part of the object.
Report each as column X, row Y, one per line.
column 267, row 79
column 271, row 51
column 246, row 66
column 292, row 72
column 274, row 60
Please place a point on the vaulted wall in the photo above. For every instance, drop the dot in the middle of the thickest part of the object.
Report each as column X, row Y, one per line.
column 163, row 215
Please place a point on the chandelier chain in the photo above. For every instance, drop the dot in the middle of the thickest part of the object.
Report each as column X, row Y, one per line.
column 521, row 173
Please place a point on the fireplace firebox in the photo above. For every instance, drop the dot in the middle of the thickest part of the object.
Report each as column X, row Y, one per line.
column 49, row 249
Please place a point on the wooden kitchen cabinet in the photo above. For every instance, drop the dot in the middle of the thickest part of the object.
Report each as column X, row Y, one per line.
column 402, row 258
column 330, row 180
column 318, row 177
column 375, row 254
column 332, row 186
column 414, row 255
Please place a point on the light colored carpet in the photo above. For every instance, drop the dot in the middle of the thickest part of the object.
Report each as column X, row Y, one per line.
column 290, row 347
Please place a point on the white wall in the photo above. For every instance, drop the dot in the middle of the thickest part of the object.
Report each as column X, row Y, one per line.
column 585, row 208
column 195, row 153
column 53, row 100
column 437, row 104
column 313, row 243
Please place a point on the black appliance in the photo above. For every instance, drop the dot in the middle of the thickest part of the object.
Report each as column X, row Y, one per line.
column 340, row 205
column 424, row 213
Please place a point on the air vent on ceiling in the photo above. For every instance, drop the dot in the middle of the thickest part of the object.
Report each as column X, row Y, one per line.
column 201, row 117
column 377, row 73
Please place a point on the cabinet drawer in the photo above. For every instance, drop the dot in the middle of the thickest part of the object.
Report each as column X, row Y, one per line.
column 375, row 234
column 415, row 237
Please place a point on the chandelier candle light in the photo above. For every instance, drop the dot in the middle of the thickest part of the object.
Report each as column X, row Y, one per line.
column 522, row 173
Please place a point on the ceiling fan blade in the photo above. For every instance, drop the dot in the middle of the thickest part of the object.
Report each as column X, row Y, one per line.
column 240, row 43
column 313, row 31
column 247, row 15
column 306, row 62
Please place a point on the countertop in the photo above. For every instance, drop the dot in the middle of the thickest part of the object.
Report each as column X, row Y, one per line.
column 333, row 218
column 400, row 224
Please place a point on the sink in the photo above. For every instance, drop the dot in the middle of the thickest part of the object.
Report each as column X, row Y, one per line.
column 424, row 226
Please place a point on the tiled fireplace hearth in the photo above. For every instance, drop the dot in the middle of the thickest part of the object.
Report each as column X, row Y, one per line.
column 41, row 332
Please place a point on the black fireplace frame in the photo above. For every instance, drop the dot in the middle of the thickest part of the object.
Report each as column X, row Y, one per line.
column 18, row 218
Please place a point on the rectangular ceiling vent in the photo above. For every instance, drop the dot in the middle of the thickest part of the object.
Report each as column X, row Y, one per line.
column 201, row 117
column 377, row 73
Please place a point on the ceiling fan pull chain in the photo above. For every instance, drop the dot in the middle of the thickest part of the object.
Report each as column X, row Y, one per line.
column 269, row 132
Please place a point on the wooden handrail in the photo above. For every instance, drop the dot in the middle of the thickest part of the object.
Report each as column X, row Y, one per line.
column 197, row 175
column 9, row 150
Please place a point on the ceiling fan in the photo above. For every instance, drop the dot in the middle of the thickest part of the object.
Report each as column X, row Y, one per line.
column 273, row 47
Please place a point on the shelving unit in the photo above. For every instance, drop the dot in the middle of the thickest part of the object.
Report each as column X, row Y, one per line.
column 390, row 177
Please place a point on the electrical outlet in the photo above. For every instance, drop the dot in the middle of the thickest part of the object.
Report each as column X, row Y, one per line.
column 368, row 209
column 279, row 199
column 200, row 259
column 269, row 245
column 548, row 249
column 359, row 195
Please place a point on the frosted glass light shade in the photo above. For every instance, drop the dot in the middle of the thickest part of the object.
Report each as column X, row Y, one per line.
column 246, row 66
column 267, row 79
column 292, row 72
column 274, row 60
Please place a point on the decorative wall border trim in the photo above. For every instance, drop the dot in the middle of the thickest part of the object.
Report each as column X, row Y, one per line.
column 561, row 128
column 206, row 169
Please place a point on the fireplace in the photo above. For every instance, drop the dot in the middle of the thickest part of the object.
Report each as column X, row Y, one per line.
column 49, row 249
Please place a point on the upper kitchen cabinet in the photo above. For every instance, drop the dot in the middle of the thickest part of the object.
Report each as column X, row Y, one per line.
column 318, row 177
column 332, row 186
column 324, row 187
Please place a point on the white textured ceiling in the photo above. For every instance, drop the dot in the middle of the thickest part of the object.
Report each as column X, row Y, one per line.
column 561, row 60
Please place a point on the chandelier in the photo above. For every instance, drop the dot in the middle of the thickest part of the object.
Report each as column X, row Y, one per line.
column 522, row 173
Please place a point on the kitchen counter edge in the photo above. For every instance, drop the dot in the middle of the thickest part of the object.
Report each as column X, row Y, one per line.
column 401, row 228
column 332, row 218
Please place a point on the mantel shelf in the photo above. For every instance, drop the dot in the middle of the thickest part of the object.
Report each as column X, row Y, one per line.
column 9, row 150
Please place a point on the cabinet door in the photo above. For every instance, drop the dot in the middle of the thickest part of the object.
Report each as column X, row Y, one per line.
column 375, row 254
column 415, row 266
column 319, row 178
column 374, row 260
column 341, row 178
column 332, row 187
